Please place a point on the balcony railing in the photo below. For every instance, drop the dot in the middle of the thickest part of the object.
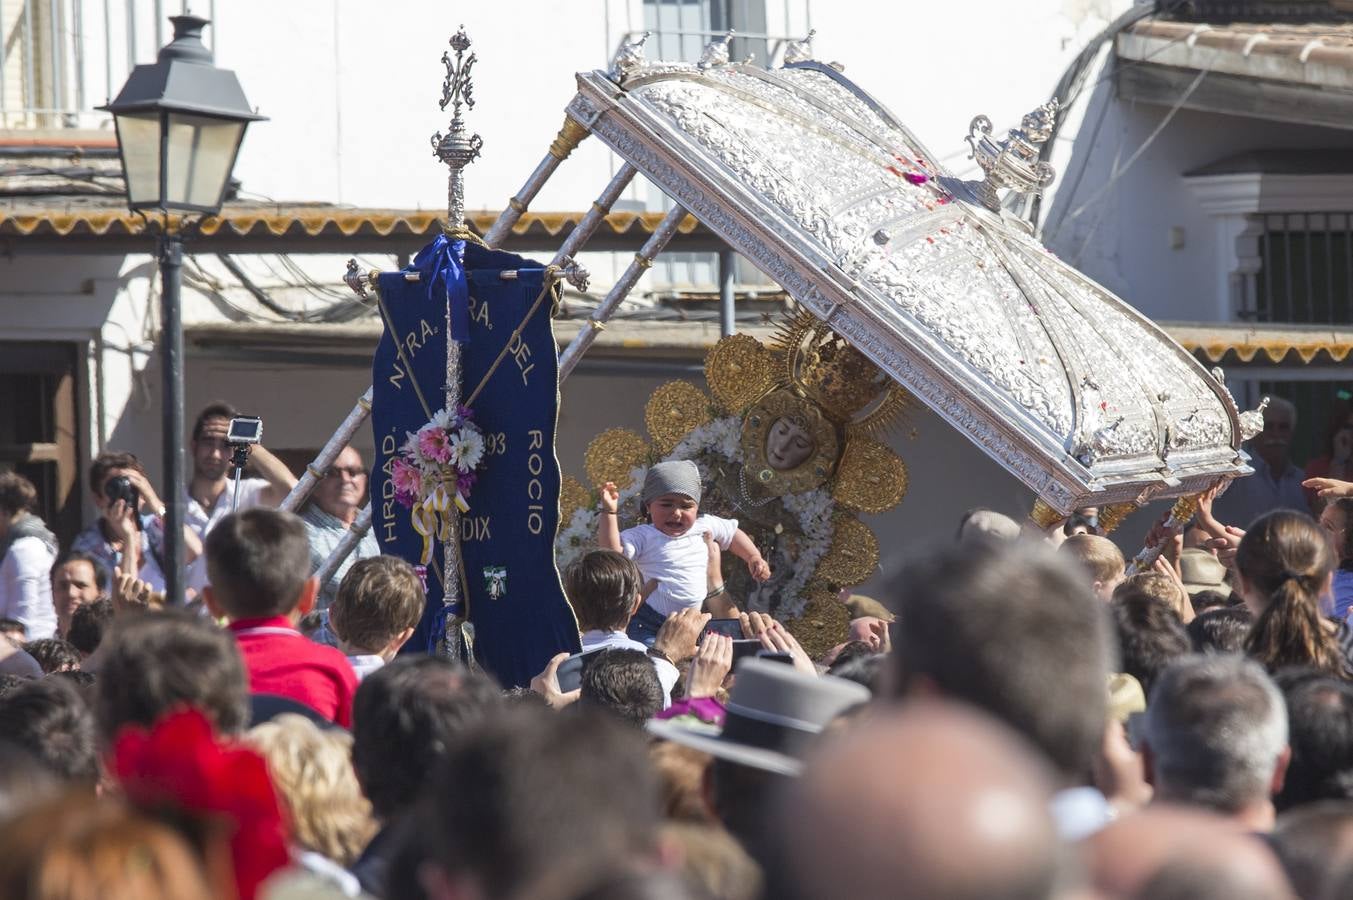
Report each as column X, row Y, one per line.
column 61, row 58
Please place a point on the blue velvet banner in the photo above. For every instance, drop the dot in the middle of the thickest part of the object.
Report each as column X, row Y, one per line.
column 516, row 601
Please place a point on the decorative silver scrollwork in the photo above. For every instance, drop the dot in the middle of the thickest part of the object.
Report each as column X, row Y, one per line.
column 1013, row 162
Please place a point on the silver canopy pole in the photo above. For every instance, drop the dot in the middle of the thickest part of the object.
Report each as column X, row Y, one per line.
column 570, row 134
column 642, row 261
column 340, row 439
column 346, row 544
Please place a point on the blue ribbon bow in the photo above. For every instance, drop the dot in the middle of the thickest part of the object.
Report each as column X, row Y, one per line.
column 443, row 274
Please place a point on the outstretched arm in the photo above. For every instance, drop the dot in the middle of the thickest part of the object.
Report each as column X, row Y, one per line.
column 279, row 477
column 743, row 548
column 1329, row 488
column 608, row 529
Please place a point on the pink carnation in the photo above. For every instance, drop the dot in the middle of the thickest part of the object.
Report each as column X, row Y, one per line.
column 434, row 443
column 407, row 478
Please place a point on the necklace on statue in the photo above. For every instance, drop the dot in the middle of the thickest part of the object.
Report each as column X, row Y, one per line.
column 742, row 489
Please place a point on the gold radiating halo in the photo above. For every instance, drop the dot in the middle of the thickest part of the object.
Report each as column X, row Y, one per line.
column 853, row 555
column 612, row 456
column 871, row 478
column 674, row 410
column 824, row 623
column 738, row 370
column 572, row 497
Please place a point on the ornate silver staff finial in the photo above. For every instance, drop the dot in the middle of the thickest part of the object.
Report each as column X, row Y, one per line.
column 629, row 57
column 356, row 279
column 455, row 148
column 1013, row 162
column 800, row 51
column 1252, row 422
column 716, row 52
column 575, row 274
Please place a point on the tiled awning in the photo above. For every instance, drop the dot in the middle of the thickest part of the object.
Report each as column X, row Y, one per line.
column 1290, row 71
column 1231, row 345
column 96, row 228
column 1261, row 344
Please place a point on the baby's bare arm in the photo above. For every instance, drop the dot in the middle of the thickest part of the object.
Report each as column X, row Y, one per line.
column 743, row 548
column 608, row 528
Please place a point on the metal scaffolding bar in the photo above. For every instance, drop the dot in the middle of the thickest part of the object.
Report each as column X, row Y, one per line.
column 346, row 544
column 642, row 260
column 570, row 134
column 727, row 303
column 600, row 207
column 340, row 439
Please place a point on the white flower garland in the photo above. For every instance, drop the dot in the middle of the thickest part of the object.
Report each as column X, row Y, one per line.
column 723, row 437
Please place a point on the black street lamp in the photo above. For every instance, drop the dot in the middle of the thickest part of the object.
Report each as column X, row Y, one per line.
column 179, row 123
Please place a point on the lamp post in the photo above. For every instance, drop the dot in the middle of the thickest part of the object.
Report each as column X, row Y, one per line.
column 179, row 124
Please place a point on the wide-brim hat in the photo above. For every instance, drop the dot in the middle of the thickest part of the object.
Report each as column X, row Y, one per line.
column 1201, row 571
column 775, row 713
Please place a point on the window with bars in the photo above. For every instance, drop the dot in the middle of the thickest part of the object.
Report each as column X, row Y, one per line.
column 60, row 58
column 1306, row 270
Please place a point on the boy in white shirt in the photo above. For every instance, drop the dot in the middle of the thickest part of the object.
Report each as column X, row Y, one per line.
column 378, row 605
column 670, row 549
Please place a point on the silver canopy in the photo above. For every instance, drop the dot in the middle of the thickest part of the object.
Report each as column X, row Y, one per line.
column 1069, row 388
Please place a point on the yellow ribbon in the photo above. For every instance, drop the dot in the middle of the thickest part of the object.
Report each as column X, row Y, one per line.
column 424, row 521
column 432, row 516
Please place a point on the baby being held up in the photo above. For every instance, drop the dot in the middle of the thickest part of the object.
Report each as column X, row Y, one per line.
column 670, row 549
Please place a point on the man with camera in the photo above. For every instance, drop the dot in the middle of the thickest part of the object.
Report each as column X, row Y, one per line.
column 211, row 492
column 129, row 533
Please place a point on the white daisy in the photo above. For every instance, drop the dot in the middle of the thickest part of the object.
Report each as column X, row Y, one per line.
column 467, row 449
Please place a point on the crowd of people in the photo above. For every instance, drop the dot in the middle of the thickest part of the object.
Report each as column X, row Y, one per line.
column 1024, row 716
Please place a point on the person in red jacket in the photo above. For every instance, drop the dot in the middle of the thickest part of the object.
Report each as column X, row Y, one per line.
column 258, row 561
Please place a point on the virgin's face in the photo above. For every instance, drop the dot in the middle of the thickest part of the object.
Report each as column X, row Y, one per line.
column 787, row 445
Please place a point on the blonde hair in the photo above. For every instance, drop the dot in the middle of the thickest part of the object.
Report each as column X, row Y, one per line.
column 715, row 862
column 681, row 771
column 1099, row 556
column 77, row 847
column 1154, row 584
column 312, row 770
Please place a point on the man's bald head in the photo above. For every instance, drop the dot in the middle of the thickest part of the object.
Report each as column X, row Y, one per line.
column 1166, row 852
column 928, row 801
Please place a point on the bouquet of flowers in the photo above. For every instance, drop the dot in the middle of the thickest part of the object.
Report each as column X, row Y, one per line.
column 436, row 469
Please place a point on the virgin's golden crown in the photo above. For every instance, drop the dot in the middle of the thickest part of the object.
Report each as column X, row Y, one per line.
column 826, row 369
column 837, row 375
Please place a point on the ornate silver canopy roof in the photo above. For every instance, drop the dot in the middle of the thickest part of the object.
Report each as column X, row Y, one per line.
column 825, row 191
